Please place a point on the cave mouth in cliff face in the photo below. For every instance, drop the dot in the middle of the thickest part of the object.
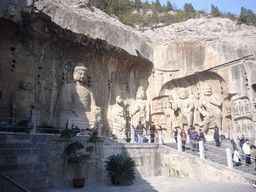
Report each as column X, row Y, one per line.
column 9, row 29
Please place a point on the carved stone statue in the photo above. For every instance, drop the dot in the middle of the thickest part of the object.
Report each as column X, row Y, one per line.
column 210, row 108
column 23, row 101
column 76, row 102
column 185, row 108
column 118, row 118
column 140, row 108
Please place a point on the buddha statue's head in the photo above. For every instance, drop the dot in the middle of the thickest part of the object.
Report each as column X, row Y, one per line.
column 141, row 93
column 183, row 93
column 207, row 89
column 25, row 83
column 79, row 73
column 119, row 99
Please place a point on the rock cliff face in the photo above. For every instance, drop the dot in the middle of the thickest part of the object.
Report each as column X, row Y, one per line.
column 55, row 34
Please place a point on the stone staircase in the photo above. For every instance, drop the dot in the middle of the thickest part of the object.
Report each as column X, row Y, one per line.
column 217, row 155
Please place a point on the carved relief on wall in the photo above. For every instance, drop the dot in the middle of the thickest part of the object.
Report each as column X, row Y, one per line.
column 241, row 114
column 23, row 100
column 159, row 118
column 117, row 118
column 140, row 108
column 161, row 110
column 241, row 107
column 196, row 100
column 184, row 109
column 210, row 108
column 242, row 125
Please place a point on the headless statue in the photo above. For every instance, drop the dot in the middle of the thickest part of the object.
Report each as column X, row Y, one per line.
column 118, row 118
column 23, row 101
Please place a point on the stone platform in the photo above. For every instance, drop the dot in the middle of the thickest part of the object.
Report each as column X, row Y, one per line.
column 162, row 184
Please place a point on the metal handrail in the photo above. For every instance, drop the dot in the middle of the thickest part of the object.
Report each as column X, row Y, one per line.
column 8, row 185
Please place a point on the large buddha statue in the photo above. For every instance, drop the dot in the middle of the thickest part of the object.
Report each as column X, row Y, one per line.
column 76, row 102
column 210, row 108
column 140, row 108
column 185, row 108
column 118, row 118
column 23, row 100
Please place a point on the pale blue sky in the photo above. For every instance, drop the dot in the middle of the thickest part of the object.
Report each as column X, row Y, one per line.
column 232, row 6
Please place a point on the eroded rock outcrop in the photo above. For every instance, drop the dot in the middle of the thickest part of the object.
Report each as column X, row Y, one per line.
column 54, row 34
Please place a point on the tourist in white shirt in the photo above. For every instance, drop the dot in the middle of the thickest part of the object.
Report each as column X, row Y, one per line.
column 247, row 151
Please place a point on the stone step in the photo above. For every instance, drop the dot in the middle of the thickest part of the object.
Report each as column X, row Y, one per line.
column 217, row 155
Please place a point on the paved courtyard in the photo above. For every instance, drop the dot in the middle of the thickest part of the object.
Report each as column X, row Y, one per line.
column 161, row 184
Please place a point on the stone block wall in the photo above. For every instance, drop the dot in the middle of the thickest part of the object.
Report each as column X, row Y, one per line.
column 145, row 156
column 37, row 162
column 180, row 164
column 24, row 158
column 62, row 172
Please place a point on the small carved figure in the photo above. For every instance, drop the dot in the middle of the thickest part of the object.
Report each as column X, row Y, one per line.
column 76, row 101
column 246, row 106
column 118, row 118
column 23, row 101
column 41, row 98
column 210, row 108
column 186, row 108
column 235, row 108
column 140, row 108
column 241, row 108
column 237, row 127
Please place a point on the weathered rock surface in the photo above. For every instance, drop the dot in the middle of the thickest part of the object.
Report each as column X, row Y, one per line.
column 96, row 24
column 54, row 34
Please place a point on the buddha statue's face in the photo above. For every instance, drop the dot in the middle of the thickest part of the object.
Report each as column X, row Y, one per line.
column 25, row 84
column 140, row 95
column 119, row 100
column 80, row 75
column 207, row 90
column 183, row 94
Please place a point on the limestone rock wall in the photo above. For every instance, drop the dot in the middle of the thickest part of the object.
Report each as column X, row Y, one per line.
column 55, row 35
column 46, row 53
column 78, row 18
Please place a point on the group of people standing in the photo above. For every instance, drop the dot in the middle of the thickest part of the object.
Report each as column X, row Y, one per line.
column 194, row 138
column 152, row 133
column 246, row 150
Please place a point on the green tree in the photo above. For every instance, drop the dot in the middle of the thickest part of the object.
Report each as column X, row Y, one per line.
column 124, row 5
column 215, row 12
column 188, row 8
column 101, row 4
column 250, row 16
column 114, row 5
column 243, row 14
column 231, row 16
column 147, row 4
column 247, row 16
column 169, row 6
column 138, row 4
column 158, row 5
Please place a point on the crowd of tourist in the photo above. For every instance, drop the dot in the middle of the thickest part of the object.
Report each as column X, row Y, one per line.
column 152, row 135
column 194, row 138
column 242, row 151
